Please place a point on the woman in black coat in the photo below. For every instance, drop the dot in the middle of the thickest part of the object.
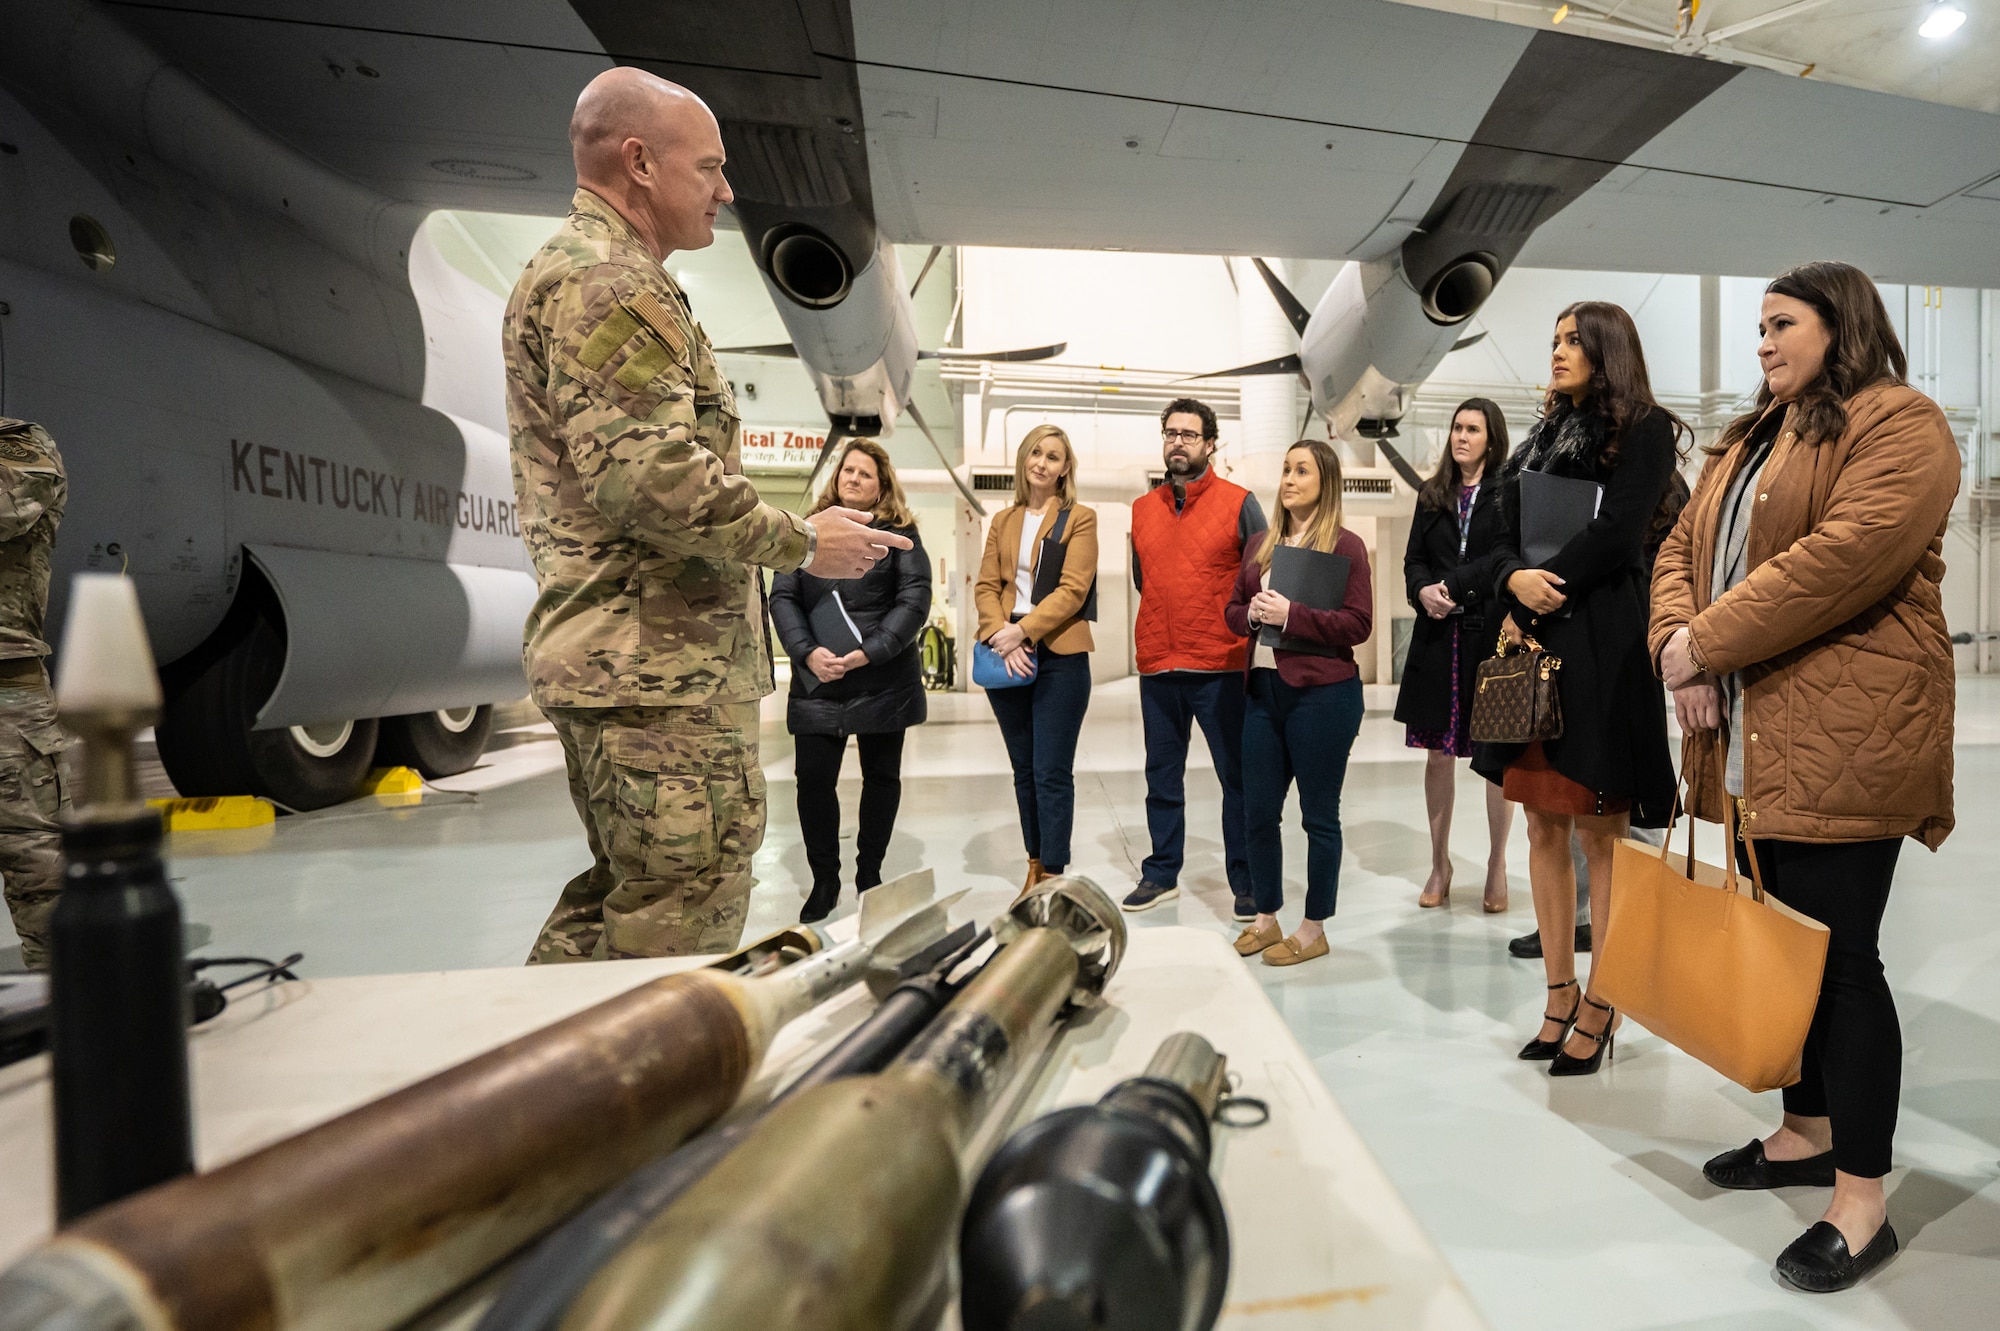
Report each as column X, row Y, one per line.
column 1587, row 604
column 855, row 671
column 1448, row 571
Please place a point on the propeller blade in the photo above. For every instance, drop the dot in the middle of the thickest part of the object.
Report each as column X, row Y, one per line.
column 925, row 271
column 784, row 350
column 1403, row 468
column 1021, row 354
column 1282, row 365
column 971, row 498
column 1297, row 313
column 1465, row 342
column 835, row 432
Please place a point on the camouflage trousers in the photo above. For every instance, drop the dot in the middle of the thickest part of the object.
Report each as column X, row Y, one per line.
column 672, row 800
column 34, row 792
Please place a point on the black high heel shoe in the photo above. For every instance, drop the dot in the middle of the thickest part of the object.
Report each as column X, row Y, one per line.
column 1566, row 1066
column 1541, row 1051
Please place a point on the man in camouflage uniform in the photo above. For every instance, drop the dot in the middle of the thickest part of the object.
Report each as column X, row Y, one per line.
column 646, row 646
column 33, row 786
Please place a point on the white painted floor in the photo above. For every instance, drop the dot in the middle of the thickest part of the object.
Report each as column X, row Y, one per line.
column 1575, row 1203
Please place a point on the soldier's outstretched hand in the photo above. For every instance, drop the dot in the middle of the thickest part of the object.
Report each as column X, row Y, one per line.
column 848, row 546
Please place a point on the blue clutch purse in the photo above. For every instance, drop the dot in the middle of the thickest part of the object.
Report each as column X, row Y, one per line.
column 989, row 670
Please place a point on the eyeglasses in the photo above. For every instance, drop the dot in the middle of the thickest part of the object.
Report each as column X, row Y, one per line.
column 1182, row 436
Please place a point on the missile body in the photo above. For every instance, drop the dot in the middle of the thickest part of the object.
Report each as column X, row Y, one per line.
column 837, row 1211
column 1103, row 1217
column 367, row 1219
column 542, row 1285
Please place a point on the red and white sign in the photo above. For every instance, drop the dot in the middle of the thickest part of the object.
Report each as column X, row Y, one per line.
column 779, row 449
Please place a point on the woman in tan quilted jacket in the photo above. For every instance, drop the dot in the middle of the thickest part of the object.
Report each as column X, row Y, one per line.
column 1796, row 616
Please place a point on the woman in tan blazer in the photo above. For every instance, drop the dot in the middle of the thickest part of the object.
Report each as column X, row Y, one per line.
column 1048, row 637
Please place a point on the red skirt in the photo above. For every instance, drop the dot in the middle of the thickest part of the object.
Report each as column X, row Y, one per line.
column 1530, row 781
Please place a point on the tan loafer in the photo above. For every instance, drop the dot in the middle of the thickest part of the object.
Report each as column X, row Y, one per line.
column 1288, row 952
column 1254, row 940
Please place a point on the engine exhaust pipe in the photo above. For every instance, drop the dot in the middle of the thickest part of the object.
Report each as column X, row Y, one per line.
column 1459, row 289
column 807, row 267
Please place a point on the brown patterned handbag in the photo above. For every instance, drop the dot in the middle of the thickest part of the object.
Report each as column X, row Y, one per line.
column 1515, row 701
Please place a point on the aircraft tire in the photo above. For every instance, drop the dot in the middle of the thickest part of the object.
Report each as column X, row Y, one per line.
column 440, row 743
column 208, row 748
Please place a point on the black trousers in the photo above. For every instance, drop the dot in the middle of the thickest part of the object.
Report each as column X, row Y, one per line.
column 1853, row 1066
column 816, row 762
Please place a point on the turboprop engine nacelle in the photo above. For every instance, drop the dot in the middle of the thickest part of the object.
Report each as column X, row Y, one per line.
column 853, row 331
column 1370, row 343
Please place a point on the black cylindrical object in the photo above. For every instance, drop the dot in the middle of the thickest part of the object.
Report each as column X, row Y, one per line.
column 118, row 1017
column 1103, row 1217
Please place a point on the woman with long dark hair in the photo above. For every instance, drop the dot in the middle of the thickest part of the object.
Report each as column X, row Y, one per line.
column 1304, row 708
column 1587, row 605
column 874, row 691
column 1797, row 615
column 1448, row 573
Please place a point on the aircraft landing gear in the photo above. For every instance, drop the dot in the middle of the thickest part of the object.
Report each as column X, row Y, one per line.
column 204, row 735
column 441, row 743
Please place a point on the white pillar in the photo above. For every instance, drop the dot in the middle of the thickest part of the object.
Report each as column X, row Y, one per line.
column 1270, row 406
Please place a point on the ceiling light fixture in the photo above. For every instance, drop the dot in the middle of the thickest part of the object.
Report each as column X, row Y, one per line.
column 1941, row 22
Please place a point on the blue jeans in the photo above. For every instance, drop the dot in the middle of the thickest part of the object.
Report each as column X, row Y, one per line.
column 1169, row 703
column 1306, row 733
column 1040, row 722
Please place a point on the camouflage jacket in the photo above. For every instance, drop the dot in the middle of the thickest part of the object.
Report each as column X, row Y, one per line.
column 645, row 535
column 33, row 490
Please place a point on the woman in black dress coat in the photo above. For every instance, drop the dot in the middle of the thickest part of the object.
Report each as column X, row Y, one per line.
column 1587, row 604
column 873, row 692
column 1448, row 570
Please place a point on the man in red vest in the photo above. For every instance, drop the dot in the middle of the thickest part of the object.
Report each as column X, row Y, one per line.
column 1188, row 539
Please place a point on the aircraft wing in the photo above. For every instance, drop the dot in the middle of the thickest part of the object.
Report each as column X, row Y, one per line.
column 1332, row 130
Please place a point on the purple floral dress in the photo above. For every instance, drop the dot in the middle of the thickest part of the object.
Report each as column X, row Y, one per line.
column 1457, row 741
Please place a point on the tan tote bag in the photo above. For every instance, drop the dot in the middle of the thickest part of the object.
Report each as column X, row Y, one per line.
column 1727, row 977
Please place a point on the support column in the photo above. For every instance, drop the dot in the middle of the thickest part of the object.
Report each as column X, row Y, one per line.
column 1712, row 403
column 1269, row 410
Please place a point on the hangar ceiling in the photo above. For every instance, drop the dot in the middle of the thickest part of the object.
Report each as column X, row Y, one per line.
column 1860, row 43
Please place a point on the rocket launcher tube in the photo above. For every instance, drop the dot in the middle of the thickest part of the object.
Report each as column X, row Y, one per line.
column 365, row 1220
column 542, row 1285
column 839, row 1209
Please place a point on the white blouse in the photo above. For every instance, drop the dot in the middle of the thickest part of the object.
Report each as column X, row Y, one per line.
column 1024, row 563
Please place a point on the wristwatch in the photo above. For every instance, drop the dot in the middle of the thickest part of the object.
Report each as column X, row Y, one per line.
column 812, row 544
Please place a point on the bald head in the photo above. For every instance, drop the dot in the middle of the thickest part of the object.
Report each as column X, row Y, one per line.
column 652, row 150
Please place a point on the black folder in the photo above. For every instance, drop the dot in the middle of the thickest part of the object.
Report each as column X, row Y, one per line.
column 1553, row 510
column 832, row 629
column 1315, row 579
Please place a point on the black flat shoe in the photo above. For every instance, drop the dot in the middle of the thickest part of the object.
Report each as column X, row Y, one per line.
column 1529, row 946
column 1748, row 1169
column 1541, row 1051
column 1818, row 1261
column 1566, row 1065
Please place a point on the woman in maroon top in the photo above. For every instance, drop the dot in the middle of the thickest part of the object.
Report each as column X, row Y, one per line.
column 1304, row 708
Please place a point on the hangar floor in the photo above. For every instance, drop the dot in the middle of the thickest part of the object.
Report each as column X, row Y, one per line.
column 1560, row 1203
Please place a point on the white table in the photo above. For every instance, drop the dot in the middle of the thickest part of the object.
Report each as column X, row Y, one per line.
column 1320, row 1238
